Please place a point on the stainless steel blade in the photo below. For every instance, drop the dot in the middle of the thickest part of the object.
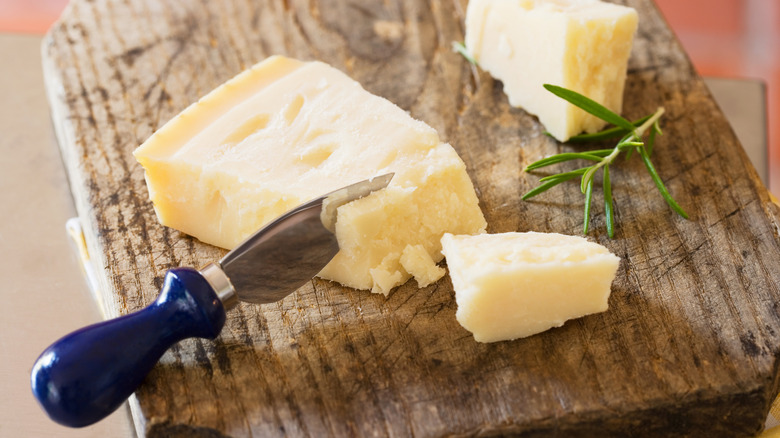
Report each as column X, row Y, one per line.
column 288, row 252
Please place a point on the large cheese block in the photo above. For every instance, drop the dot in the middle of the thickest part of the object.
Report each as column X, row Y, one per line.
column 513, row 285
column 287, row 131
column 582, row 45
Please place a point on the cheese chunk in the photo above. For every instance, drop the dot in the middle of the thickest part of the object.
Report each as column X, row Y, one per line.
column 582, row 45
column 514, row 285
column 286, row 131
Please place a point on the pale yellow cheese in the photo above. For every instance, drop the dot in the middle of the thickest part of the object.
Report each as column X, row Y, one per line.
column 418, row 262
column 513, row 285
column 286, row 131
column 582, row 45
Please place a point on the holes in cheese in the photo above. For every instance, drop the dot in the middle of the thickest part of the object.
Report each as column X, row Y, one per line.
column 286, row 131
column 514, row 285
column 249, row 127
column 293, row 109
column 582, row 45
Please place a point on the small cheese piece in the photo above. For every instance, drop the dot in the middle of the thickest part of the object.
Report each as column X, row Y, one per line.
column 418, row 262
column 582, row 45
column 286, row 131
column 514, row 285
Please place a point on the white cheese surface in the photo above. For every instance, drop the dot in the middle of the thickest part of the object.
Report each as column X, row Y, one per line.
column 582, row 45
column 287, row 131
column 514, row 285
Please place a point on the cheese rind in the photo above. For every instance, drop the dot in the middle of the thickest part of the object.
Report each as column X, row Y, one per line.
column 513, row 285
column 582, row 45
column 286, row 131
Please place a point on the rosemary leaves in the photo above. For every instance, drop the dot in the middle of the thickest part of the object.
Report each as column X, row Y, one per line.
column 631, row 140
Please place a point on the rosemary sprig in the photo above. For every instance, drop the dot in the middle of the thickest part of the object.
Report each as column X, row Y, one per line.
column 560, row 158
column 606, row 134
column 590, row 106
column 631, row 139
column 464, row 52
column 608, row 203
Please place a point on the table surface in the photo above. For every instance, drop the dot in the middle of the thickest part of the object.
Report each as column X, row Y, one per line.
column 35, row 245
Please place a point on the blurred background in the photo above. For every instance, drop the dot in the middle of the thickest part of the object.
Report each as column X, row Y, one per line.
column 735, row 39
column 724, row 39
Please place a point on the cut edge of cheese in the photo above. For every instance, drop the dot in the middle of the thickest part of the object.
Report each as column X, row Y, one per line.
column 375, row 232
column 582, row 45
column 514, row 285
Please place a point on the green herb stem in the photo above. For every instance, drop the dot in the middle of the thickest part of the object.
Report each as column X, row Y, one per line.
column 560, row 158
column 608, row 215
column 660, row 185
column 653, row 120
column 592, row 171
column 459, row 47
column 573, row 173
column 550, row 183
column 589, row 105
column 631, row 140
column 588, row 199
column 606, row 134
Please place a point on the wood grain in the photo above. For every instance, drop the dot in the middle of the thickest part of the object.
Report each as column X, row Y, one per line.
column 689, row 346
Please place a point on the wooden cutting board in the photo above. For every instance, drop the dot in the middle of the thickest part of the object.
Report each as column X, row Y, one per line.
column 689, row 345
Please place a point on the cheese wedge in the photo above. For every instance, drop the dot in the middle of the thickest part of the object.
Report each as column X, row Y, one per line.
column 287, row 131
column 514, row 285
column 582, row 45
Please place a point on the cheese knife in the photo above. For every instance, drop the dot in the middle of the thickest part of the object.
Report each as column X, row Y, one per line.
column 88, row 374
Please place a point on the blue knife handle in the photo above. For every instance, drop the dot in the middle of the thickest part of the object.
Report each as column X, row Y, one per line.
column 89, row 373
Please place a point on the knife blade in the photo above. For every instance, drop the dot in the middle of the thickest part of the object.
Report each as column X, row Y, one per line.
column 88, row 374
